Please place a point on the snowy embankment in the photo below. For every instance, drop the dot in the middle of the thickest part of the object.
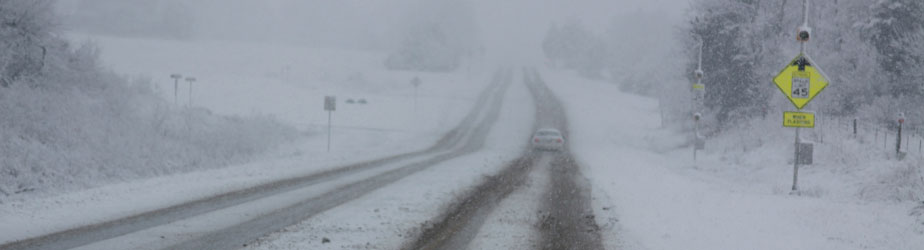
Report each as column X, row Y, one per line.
column 79, row 126
column 736, row 195
column 237, row 79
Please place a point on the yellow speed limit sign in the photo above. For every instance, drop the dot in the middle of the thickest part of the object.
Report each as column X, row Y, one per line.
column 801, row 80
column 798, row 119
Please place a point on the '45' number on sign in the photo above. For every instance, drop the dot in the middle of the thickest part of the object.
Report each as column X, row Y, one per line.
column 800, row 85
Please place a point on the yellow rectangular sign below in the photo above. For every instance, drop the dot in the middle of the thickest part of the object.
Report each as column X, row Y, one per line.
column 798, row 119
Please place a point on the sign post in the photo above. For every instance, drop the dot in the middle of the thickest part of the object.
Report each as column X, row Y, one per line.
column 190, row 80
column 176, row 86
column 800, row 81
column 330, row 105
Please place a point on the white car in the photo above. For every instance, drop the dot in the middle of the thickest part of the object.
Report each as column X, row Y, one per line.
column 548, row 139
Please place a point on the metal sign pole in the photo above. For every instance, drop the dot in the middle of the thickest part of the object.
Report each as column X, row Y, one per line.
column 795, row 165
column 795, row 161
column 329, row 117
column 698, row 89
column 190, row 80
column 176, row 87
column 330, row 105
column 695, row 138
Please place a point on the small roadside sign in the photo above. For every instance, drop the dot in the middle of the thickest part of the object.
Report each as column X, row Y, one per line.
column 330, row 103
column 798, row 119
column 699, row 91
column 801, row 80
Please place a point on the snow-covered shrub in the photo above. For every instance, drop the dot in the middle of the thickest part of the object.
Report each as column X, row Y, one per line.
column 60, row 138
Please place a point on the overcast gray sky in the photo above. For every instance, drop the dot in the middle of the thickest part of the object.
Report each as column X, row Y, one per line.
column 509, row 29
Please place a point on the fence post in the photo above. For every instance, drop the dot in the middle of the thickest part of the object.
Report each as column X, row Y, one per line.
column 855, row 128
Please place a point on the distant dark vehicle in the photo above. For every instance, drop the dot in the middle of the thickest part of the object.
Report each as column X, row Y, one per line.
column 548, row 139
column 350, row 101
column 362, row 101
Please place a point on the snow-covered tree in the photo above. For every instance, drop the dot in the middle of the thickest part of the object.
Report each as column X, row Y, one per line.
column 731, row 57
column 891, row 30
column 25, row 26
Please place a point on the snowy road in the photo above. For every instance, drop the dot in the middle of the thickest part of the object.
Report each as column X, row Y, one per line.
column 563, row 220
column 540, row 198
column 232, row 219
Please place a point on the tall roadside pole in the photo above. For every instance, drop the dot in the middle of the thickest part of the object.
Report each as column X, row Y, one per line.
column 190, row 80
column 330, row 105
column 699, row 95
column 416, row 83
column 176, row 86
column 800, row 81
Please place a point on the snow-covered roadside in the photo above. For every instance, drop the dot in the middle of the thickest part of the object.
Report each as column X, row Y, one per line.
column 387, row 218
column 360, row 133
column 663, row 202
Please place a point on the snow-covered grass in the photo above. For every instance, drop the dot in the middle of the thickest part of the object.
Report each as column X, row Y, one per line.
column 737, row 195
column 81, row 127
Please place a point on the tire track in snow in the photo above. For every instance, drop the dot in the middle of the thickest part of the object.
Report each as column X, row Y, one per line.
column 566, row 220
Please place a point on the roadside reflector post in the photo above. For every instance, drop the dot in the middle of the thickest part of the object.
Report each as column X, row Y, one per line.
column 330, row 105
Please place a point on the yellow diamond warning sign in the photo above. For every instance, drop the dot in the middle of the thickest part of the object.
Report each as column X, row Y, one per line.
column 801, row 81
column 798, row 119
